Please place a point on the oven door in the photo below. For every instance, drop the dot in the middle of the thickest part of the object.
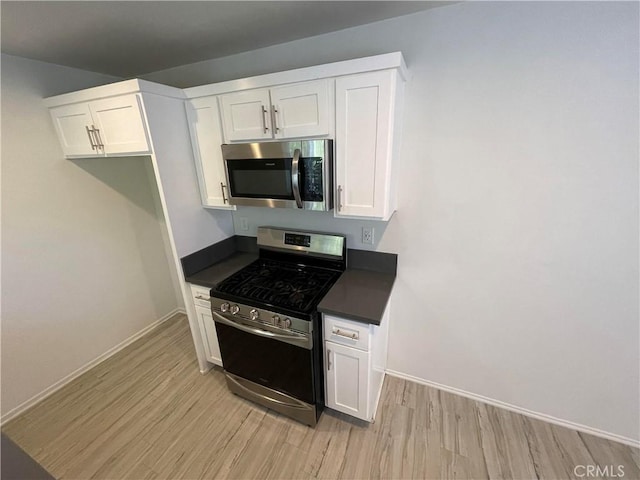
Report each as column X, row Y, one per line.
column 280, row 174
column 277, row 361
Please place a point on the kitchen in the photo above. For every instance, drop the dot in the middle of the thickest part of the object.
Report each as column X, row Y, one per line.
column 515, row 228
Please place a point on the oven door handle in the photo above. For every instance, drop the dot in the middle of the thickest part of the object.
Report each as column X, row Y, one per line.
column 295, row 177
column 292, row 338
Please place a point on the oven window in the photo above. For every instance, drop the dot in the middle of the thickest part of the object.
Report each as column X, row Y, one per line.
column 274, row 364
column 260, row 178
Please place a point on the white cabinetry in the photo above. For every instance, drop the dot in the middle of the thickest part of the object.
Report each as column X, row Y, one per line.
column 136, row 117
column 206, row 138
column 106, row 127
column 355, row 359
column 367, row 141
column 207, row 326
column 289, row 111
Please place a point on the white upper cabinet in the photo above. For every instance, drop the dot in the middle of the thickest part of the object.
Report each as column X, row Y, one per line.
column 73, row 125
column 106, row 127
column 367, row 140
column 289, row 111
column 206, row 138
column 120, row 125
column 246, row 115
column 301, row 110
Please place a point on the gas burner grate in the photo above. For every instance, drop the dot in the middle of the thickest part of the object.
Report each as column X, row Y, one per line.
column 280, row 284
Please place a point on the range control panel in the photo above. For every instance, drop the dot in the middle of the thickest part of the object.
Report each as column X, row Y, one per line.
column 297, row 239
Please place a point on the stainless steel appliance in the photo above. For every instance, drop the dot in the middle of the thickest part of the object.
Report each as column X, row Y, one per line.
column 295, row 174
column 267, row 323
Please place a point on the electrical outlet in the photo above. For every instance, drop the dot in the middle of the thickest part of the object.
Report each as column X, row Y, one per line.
column 367, row 235
column 244, row 224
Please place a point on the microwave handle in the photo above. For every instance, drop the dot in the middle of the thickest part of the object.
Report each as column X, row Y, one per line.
column 295, row 177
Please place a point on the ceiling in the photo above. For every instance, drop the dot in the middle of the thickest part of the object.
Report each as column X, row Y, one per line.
column 131, row 38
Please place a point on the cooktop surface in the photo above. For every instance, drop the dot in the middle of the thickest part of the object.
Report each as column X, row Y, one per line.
column 279, row 284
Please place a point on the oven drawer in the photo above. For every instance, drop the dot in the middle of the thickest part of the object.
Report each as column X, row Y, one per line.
column 200, row 296
column 346, row 332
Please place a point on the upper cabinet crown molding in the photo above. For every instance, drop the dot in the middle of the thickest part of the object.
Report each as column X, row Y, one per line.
column 385, row 61
column 113, row 90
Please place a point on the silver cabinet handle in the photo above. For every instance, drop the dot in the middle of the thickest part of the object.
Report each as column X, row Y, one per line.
column 339, row 197
column 222, row 187
column 93, row 146
column 274, row 118
column 264, row 119
column 340, row 333
column 328, row 360
column 295, row 177
column 99, row 143
column 200, row 297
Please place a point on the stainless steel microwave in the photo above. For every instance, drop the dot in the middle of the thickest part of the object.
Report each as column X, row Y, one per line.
column 296, row 174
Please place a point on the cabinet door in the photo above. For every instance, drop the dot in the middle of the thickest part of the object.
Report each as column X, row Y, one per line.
column 246, row 115
column 121, row 125
column 347, row 379
column 301, row 110
column 209, row 335
column 364, row 124
column 72, row 123
column 206, row 137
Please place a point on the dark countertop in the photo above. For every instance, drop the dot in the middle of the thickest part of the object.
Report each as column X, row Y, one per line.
column 360, row 295
column 211, row 276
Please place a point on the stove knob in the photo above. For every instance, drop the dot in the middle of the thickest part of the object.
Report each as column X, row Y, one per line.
column 235, row 309
column 276, row 320
column 254, row 314
column 224, row 307
column 286, row 323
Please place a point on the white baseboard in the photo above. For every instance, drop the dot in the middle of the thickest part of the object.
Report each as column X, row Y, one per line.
column 73, row 375
column 523, row 411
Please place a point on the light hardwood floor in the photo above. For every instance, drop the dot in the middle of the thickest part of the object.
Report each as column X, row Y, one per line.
column 147, row 413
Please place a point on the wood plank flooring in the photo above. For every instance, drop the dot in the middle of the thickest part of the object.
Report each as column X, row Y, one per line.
column 147, row 413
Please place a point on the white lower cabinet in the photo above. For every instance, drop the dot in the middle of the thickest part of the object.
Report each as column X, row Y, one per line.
column 205, row 322
column 355, row 359
column 347, row 382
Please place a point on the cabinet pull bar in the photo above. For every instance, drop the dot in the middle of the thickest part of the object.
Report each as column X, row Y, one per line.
column 200, row 297
column 93, row 146
column 98, row 137
column 264, row 119
column 339, row 197
column 222, row 187
column 274, row 118
column 328, row 360
column 340, row 333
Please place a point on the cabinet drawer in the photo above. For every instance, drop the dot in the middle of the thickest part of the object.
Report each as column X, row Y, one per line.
column 346, row 332
column 200, row 296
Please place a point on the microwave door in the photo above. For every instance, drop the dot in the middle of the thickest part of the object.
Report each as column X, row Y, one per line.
column 261, row 182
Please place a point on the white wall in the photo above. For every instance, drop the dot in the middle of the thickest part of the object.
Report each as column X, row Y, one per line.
column 517, row 227
column 84, row 266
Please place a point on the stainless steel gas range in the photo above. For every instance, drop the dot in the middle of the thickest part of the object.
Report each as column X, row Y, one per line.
column 267, row 323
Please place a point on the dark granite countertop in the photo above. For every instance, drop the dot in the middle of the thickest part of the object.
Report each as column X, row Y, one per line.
column 359, row 295
column 211, row 276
